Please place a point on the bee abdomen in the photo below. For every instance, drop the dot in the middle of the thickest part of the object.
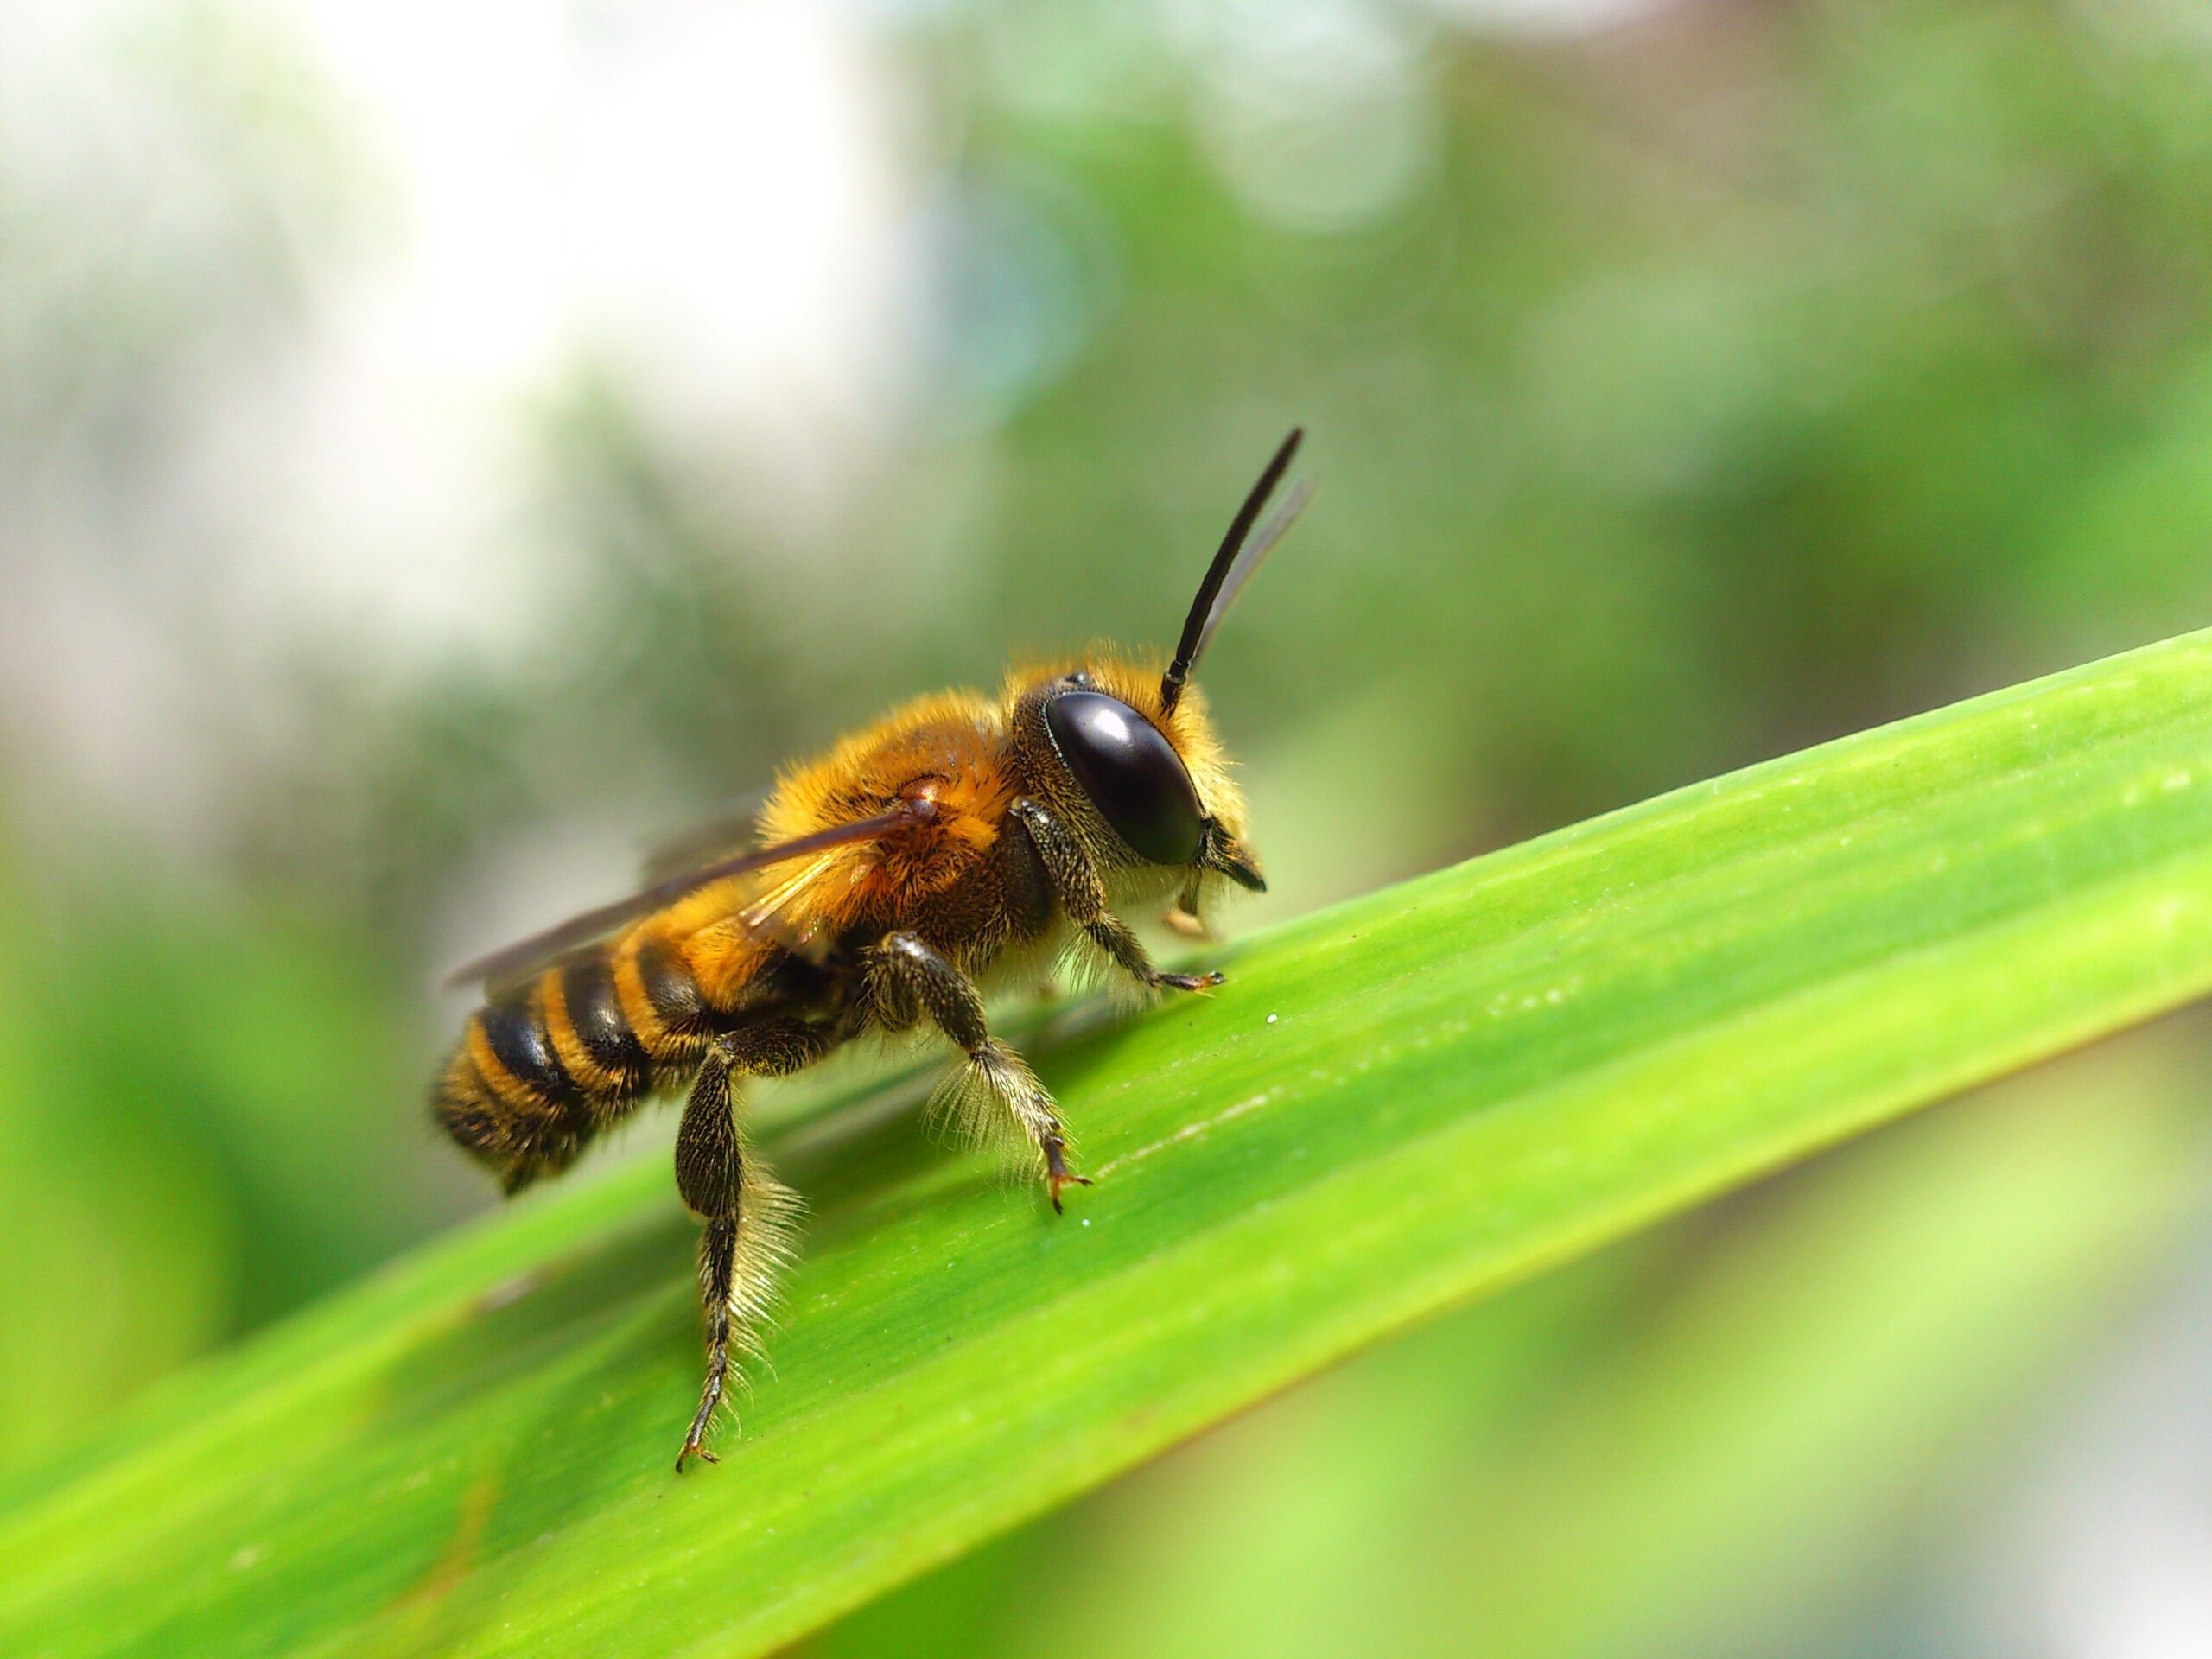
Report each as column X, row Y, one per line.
column 544, row 1066
column 514, row 1031
column 679, row 1008
column 592, row 1008
column 510, row 1099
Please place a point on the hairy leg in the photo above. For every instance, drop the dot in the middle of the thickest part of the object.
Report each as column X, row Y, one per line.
column 1076, row 884
column 911, row 980
column 748, row 1217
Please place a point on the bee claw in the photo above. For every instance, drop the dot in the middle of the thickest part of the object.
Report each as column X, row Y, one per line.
column 1056, row 1173
column 1200, row 983
column 693, row 1449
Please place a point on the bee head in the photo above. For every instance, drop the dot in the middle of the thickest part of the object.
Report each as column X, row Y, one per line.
column 1139, row 749
column 1153, row 773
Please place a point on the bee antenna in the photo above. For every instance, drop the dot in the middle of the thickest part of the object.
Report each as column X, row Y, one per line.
column 1198, row 627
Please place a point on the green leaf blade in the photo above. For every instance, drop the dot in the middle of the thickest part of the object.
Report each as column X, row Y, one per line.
column 1463, row 1080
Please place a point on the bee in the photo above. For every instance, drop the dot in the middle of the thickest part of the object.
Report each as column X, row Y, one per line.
column 963, row 842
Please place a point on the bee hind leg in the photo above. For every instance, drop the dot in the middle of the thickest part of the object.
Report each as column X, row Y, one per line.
column 992, row 1082
column 749, row 1216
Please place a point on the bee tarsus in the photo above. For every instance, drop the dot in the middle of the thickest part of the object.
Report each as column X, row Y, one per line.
column 1199, row 982
column 1056, row 1171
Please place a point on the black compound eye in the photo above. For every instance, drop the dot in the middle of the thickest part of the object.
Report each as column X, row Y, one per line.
column 1132, row 774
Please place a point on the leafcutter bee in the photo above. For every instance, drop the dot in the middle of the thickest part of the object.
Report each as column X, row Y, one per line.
column 961, row 840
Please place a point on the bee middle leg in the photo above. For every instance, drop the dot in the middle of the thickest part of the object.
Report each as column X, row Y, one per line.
column 911, row 979
column 748, row 1215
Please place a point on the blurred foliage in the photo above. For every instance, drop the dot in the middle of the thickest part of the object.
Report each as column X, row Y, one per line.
column 1690, row 391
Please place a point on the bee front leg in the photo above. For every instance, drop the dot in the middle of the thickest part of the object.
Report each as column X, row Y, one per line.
column 909, row 978
column 1076, row 884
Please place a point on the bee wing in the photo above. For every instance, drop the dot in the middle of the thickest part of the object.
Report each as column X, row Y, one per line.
column 519, row 960
column 733, row 825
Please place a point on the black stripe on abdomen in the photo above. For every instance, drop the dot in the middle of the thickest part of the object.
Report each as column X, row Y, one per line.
column 594, row 1010
column 670, row 988
column 514, row 1030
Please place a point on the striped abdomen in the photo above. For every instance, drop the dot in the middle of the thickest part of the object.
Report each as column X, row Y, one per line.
column 545, row 1064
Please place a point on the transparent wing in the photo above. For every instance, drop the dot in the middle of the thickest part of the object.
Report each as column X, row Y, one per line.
column 731, row 827
column 525, row 956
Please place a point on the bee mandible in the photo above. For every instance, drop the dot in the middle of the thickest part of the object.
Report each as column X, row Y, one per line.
column 963, row 842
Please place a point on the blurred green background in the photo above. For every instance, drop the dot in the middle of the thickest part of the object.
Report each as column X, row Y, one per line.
column 441, row 447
